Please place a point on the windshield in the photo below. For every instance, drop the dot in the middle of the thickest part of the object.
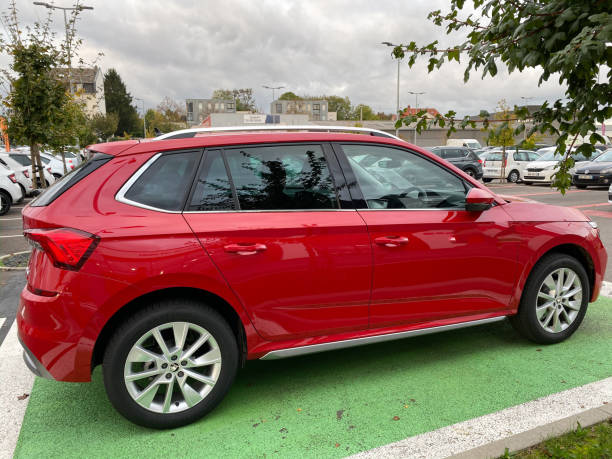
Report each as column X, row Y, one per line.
column 552, row 156
column 606, row 156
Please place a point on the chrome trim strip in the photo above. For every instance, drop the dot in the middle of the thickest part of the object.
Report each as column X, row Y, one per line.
column 264, row 211
column 279, row 127
column 120, row 196
column 313, row 348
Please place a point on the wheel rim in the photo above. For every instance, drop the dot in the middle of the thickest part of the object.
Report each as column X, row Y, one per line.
column 470, row 173
column 172, row 367
column 513, row 177
column 559, row 300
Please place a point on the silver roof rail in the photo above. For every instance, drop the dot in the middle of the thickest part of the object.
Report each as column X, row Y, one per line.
column 188, row 133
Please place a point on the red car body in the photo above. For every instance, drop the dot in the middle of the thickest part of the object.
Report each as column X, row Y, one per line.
column 325, row 276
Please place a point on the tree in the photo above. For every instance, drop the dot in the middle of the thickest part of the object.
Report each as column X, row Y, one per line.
column 364, row 112
column 172, row 110
column 104, row 126
column 563, row 38
column 289, row 96
column 157, row 120
column 243, row 97
column 119, row 101
column 37, row 103
column 341, row 105
column 502, row 134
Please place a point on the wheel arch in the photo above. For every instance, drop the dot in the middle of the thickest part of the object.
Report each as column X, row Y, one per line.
column 139, row 303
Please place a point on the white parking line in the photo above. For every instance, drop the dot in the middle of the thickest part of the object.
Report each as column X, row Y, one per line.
column 461, row 439
column 17, row 381
column 6, row 219
column 14, row 235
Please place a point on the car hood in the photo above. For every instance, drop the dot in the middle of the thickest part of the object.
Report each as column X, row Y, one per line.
column 541, row 164
column 593, row 166
column 538, row 212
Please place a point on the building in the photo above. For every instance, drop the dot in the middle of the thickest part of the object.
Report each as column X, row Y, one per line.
column 251, row 119
column 87, row 86
column 315, row 109
column 199, row 109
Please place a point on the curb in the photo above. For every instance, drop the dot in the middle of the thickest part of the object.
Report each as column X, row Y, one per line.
column 13, row 268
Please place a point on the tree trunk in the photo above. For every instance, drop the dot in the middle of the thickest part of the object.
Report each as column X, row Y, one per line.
column 37, row 167
column 64, row 162
column 503, row 164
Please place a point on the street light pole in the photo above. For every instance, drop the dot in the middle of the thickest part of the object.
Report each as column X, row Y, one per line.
column 526, row 99
column 398, row 86
column 67, row 30
column 273, row 88
column 144, row 117
column 416, row 107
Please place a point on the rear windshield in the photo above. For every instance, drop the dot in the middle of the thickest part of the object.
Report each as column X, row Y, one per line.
column 70, row 179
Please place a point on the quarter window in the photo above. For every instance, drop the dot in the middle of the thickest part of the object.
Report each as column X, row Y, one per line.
column 392, row 178
column 165, row 183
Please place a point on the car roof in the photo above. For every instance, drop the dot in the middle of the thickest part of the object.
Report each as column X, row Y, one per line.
column 212, row 140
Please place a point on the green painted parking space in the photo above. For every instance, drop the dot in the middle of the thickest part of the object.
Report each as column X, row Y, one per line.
column 333, row 404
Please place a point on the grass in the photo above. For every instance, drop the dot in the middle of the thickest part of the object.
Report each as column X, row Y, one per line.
column 591, row 442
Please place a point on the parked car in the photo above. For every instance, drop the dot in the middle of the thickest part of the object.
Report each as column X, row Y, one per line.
column 171, row 262
column 10, row 193
column 468, row 143
column 594, row 173
column 543, row 170
column 23, row 158
column 515, row 163
column 56, row 164
column 22, row 174
column 461, row 157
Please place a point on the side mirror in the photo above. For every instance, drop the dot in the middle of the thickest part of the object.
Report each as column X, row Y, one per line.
column 478, row 200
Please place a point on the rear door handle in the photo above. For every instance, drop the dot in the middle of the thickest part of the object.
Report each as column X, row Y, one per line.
column 245, row 248
column 391, row 241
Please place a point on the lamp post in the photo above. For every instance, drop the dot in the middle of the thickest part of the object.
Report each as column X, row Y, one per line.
column 144, row 117
column 64, row 9
column 398, row 85
column 526, row 99
column 273, row 88
column 416, row 107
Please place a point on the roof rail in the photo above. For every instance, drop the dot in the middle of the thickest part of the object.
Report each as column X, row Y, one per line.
column 187, row 133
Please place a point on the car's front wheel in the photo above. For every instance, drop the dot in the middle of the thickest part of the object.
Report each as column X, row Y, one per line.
column 170, row 364
column 514, row 176
column 5, row 202
column 554, row 300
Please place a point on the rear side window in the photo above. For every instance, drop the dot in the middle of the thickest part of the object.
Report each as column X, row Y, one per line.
column 69, row 180
column 165, row 183
column 22, row 159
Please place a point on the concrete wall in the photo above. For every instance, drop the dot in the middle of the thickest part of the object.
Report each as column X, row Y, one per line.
column 253, row 119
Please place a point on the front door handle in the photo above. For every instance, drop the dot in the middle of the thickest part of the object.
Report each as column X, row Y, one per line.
column 391, row 241
column 245, row 248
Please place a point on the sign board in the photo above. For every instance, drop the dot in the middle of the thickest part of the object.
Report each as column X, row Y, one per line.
column 251, row 118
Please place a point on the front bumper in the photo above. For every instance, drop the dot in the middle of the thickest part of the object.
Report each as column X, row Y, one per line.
column 593, row 180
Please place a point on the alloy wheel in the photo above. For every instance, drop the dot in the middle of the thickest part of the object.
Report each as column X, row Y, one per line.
column 559, row 300
column 172, row 367
column 513, row 177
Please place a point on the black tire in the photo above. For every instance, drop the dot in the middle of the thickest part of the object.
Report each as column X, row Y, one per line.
column 23, row 190
column 486, row 180
column 139, row 324
column 57, row 176
column 5, row 202
column 527, row 183
column 582, row 187
column 514, row 176
column 470, row 172
column 526, row 321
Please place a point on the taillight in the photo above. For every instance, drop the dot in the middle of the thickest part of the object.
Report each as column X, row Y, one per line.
column 480, row 161
column 506, row 161
column 49, row 169
column 26, row 173
column 66, row 247
column 72, row 166
column 13, row 178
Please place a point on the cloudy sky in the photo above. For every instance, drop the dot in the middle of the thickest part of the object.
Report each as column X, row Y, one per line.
column 187, row 49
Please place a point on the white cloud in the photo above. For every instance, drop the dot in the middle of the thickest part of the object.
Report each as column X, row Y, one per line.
column 190, row 48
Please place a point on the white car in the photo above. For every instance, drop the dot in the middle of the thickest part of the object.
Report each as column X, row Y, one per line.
column 10, row 193
column 516, row 162
column 56, row 164
column 22, row 173
column 543, row 170
column 23, row 158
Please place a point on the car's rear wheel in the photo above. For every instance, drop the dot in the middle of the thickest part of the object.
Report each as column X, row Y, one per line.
column 470, row 172
column 170, row 364
column 514, row 176
column 5, row 202
column 554, row 300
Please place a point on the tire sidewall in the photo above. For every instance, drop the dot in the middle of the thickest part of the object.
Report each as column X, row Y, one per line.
column 6, row 199
column 529, row 300
column 127, row 335
column 513, row 173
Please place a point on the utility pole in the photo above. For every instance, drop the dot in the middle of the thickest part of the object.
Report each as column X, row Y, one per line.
column 398, row 86
column 416, row 108
column 67, row 30
column 273, row 88
column 144, row 118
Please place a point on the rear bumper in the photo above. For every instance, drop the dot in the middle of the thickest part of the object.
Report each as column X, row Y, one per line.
column 33, row 364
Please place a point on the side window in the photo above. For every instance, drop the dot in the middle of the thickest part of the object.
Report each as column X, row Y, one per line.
column 400, row 179
column 452, row 153
column 281, row 177
column 165, row 183
column 533, row 156
column 213, row 190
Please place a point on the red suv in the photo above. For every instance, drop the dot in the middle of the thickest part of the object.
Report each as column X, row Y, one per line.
column 171, row 262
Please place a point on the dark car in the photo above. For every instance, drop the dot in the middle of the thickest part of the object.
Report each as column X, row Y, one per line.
column 594, row 173
column 461, row 157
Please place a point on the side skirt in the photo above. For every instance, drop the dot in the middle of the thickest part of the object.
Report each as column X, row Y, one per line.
column 313, row 348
